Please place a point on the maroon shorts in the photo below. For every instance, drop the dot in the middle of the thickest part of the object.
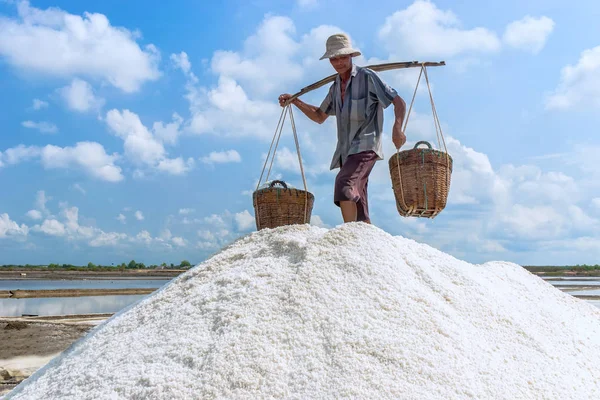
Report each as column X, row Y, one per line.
column 352, row 181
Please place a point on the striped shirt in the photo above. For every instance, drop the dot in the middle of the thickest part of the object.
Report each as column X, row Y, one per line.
column 360, row 118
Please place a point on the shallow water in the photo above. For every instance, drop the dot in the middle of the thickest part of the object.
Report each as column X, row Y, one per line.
column 66, row 305
column 41, row 284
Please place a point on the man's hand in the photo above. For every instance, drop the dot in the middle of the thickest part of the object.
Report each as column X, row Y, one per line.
column 398, row 137
column 284, row 98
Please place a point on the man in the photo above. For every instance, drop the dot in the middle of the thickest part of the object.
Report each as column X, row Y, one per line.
column 357, row 99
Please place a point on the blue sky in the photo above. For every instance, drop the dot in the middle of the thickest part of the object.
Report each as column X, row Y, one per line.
column 140, row 130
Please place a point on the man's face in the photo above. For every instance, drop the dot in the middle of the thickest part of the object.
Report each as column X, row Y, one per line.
column 341, row 64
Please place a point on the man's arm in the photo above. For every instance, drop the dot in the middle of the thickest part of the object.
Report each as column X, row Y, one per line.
column 399, row 109
column 398, row 136
column 312, row 112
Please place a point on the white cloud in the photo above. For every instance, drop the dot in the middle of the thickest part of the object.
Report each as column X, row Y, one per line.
column 185, row 211
column 423, row 30
column 21, row 153
column 34, row 214
column 166, row 235
column 596, row 202
column 90, row 156
column 39, row 104
column 222, row 157
column 227, row 110
column 175, row 166
column 11, row 228
column 168, row 133
column 245, row 221
column 40, row 201
column 80, row 96
column 529, row 33
column 122, row 218
column 139, row 216
column 57, row 43
column 206, row 235
column 141, row 147
column 287, row 160
column 267, row 53
column 179, row 241
column 317, row 221
column 51, row 227
column 109, row 239
column 182, row 62
column 43, row 127
column 579, row 85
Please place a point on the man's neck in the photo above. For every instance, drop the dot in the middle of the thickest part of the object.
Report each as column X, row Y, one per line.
column 346, row 75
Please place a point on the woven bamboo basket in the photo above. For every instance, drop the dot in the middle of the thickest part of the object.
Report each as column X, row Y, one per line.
column 421, row 180
column 277, row 206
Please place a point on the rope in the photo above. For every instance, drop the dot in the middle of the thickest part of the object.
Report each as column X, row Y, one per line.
column 438, row 125
column 272, row 141
column 300, row 162
column 276, row 144
column 438, row 131
column 404, row 130
column 277, row 136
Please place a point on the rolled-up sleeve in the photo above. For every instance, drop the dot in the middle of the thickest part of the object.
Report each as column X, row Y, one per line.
column 381, row 90
column 327, row 104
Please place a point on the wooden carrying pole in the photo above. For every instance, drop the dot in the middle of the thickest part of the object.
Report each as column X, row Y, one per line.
column 375, row 67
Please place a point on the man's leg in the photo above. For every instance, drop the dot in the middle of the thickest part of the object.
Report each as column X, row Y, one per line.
column 363, row 204
column 349, row 185
column 349, row 210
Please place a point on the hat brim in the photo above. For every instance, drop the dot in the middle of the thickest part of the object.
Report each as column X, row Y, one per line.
column 341, row 52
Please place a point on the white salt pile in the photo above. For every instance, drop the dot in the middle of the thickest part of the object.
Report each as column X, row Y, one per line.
column 352, row 312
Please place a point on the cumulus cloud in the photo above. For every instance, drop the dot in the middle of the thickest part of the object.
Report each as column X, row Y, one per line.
column 79, row 96
column 243, row 101
column 89, row 156
column 185, row 211
column 108, row 239
column 529, row 33
column 245, row 221
column 222, row 157
column 424, row 30
column 42, row 126
column 54, row 42
column 168, row 133
column 122, row 218
column 579, row 86
column 141, row 146
column 51, row 227
column 21, row 153
column 9, row 228
column 34, row 214
column 139, row 215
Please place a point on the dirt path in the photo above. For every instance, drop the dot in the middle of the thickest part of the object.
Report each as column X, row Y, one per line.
column 36, row 341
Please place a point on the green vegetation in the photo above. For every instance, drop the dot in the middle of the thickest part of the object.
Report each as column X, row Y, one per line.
column 185, row 264
column 550, row 270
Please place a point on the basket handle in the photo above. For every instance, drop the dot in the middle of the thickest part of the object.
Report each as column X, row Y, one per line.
column 282, row 183
column 423, row 142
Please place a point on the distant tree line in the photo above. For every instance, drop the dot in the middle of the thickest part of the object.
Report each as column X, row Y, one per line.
column 185, row 264
column 553, row 268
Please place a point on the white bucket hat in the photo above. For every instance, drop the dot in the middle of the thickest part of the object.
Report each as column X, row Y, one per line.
column 339, row 45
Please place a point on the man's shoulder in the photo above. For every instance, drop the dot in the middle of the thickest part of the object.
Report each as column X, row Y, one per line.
column 365, row 70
